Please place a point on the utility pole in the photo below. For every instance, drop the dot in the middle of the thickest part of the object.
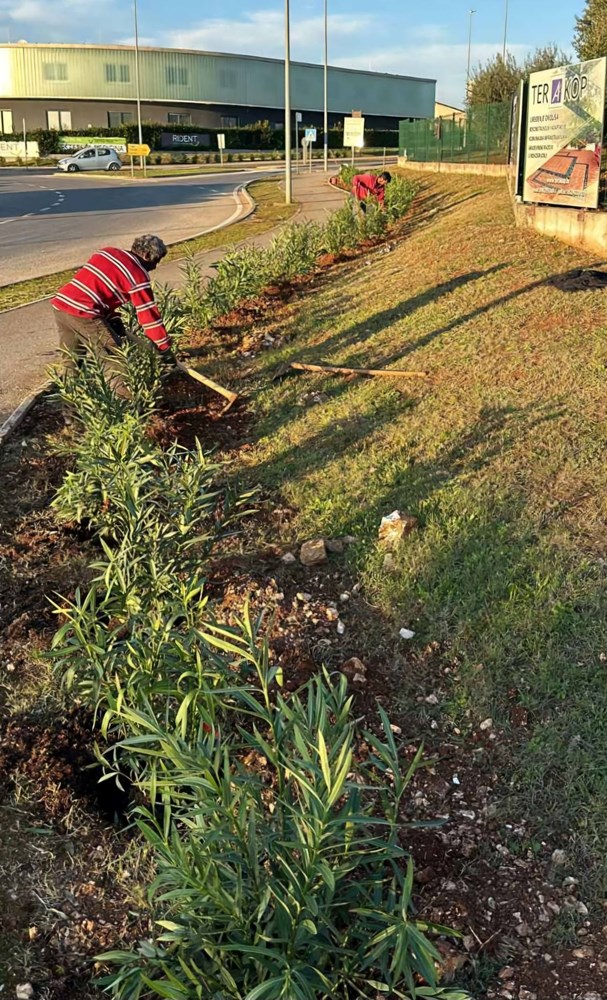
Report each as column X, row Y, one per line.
column 288, row 176
column 138, row 81
column 472, row 13
column 326, row 82
column 505, row 31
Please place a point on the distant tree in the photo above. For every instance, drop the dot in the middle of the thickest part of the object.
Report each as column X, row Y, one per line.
column 545, row 57
column 590, row 39
column 494, row 81
column 497, row 79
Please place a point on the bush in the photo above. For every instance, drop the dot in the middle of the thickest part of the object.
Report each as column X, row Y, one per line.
column 280, row 873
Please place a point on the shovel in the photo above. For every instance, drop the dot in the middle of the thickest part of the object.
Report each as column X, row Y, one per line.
column 199, row 377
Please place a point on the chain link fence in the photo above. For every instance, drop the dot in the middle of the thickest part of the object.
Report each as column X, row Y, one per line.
column 481, row 136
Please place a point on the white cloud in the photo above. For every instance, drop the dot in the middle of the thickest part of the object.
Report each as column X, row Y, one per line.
column 64, row 21
column 262, row 32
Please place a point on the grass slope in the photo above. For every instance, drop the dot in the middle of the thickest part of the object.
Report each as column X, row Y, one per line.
column 501, row 457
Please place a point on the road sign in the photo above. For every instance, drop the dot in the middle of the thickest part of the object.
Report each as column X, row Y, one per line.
column 298, row 117
column 311, row 134
column 354, row 132
column 135, row 149
column 221, row 141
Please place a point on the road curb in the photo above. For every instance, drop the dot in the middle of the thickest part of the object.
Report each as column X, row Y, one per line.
column 18, row 415
column 222, row 225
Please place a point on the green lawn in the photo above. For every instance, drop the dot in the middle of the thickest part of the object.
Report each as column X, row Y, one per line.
column 502, row 459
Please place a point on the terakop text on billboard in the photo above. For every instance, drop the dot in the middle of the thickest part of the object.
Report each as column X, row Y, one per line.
column 565, row 115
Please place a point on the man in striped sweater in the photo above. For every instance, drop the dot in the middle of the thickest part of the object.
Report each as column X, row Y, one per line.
column 87, row 307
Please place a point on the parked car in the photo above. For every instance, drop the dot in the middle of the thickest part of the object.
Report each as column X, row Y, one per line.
column 91, row 158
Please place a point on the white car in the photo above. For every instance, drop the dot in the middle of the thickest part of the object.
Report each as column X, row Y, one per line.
column 91, row 158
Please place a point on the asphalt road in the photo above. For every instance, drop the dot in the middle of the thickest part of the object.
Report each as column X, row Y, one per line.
column 49, row 221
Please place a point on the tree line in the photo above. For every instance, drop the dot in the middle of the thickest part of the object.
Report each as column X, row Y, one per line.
column 497, row 79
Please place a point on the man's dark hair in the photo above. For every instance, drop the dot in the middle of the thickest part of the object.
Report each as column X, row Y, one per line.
column 386, row 176
column 149, row 248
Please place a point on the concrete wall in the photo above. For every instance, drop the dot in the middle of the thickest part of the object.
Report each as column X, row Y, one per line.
column 578, row 228
column 482, row 169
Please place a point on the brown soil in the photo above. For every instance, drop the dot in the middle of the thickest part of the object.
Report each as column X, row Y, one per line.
column 480, row 872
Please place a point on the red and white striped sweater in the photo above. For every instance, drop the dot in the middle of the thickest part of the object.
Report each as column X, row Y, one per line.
column 110, row 279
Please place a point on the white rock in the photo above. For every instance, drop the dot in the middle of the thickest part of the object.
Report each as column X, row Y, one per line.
column 431, row 700
column 341, row 628
column 559, row 857
column 24, row 992
column 288, row 559
column 406, row 633
column 313, row 552
column 487, row 724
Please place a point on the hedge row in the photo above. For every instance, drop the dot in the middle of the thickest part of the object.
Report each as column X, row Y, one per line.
column 258, row 136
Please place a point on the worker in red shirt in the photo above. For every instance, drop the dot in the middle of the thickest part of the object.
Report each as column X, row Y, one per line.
column 87, row 308
column 370, row 186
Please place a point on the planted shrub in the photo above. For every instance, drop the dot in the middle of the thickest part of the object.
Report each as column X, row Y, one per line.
column 280, row 870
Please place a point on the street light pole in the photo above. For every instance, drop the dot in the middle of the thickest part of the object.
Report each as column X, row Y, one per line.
column 472, row 13
column 288, row 176
column 326, row 82
column 137, row 80
column 505, row 31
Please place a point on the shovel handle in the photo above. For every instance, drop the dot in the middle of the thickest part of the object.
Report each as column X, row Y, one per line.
column 230, row 396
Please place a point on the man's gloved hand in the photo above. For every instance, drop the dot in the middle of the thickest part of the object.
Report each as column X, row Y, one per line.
column 167, row 358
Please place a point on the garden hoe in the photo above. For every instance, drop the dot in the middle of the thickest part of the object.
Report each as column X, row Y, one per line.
column 199, row 377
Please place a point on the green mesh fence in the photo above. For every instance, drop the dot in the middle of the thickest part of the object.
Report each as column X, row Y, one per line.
column 482, row 137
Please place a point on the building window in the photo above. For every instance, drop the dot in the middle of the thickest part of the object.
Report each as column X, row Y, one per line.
column 117, row 74
column 6, row 122
column 175, row 119
column 54, row 71
column 115, row 118
column 229, row 122
column 177, row 75
column 59, row 121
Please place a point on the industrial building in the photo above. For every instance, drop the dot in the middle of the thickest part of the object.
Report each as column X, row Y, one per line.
column 70, row 87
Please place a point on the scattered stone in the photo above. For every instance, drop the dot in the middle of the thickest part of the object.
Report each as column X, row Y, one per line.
column 335, row 545
column 526, row 995
column 288, row 559
column 425, row 876
column 341, row 628
column 394, row 528
column 406, row 633
column 353, row 666
column 397, row 730
column 585, row 952
column 523, row 930
column 24, row 992
column 332, row 614
column 592, row 996
column 313, row 552
column 487, row 724
column 455, row 780
column 303, row 597
column 559, row 857
column 359, row 679
column 431, row 699
column 349, row 540
column 506, row 973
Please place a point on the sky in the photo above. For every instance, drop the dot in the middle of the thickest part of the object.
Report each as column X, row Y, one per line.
column 428, row 39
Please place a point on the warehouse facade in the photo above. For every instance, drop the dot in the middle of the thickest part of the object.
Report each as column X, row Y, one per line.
column 69, row 87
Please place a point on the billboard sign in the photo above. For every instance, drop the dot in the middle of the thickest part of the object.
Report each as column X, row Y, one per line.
column 194, row 140
column 354, row 132
column 564, row 135
column 310, row 135
column 72, row 143
column 18, row 150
